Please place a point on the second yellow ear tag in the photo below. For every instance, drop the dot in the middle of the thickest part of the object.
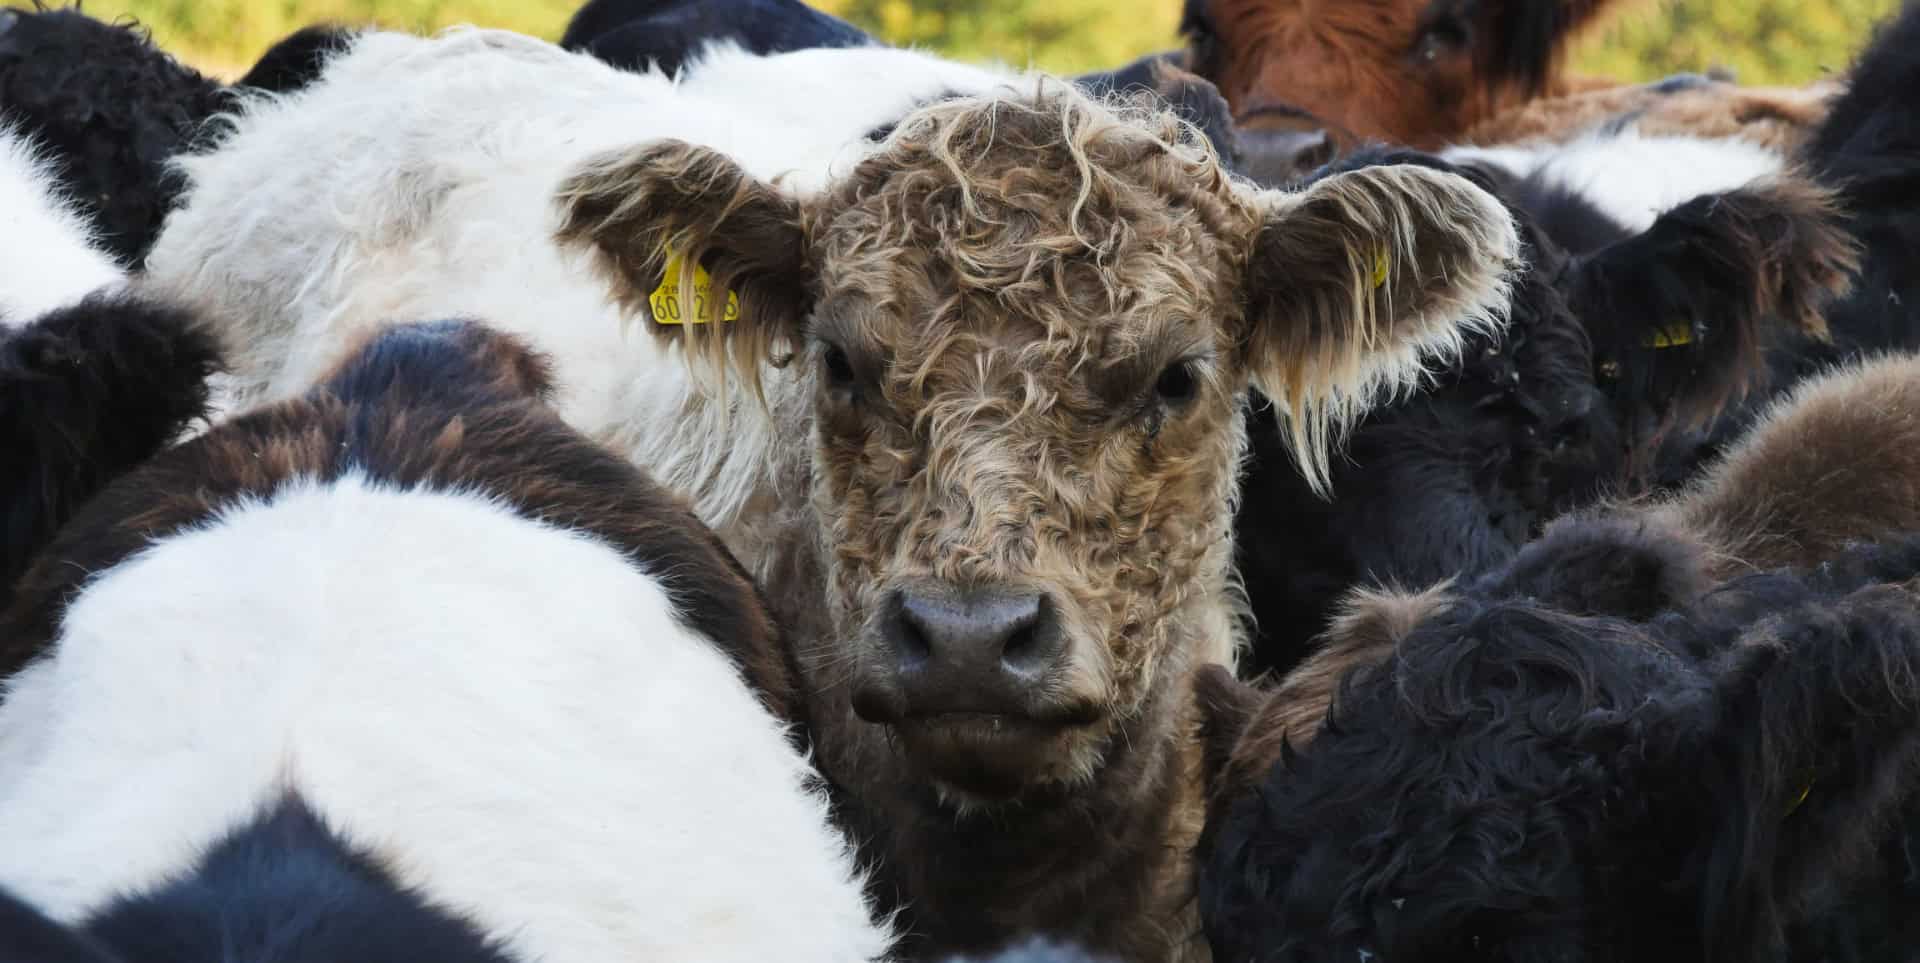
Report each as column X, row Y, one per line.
column 670, row 305
column 1379, row 268
column 1672, row 336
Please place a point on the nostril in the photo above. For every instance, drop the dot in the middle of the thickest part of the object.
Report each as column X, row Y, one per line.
column 1029, row 647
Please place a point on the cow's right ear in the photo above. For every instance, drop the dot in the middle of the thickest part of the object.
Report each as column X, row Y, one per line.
column 711, row 255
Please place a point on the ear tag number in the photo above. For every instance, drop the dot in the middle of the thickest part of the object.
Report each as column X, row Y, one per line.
column 670, row 305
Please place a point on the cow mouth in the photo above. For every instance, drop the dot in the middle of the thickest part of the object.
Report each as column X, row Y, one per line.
column 992, row 756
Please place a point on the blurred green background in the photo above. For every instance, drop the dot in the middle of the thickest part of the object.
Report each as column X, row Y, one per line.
column 1764, row 41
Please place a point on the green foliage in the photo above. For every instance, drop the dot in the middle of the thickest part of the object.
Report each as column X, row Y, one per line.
column 1765, row 41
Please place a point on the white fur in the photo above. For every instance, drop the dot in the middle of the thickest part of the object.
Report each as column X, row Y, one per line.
column 507, row 714
column 415, row 180
column 47, row 255
column 1631, row 177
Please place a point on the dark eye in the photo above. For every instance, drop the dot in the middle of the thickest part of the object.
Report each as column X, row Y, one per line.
column 1177, row 385
column 1443, row 38
column 836, row 365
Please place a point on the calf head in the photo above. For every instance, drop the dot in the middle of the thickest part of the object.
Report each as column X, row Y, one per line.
column 1516, row 780
column 1028, row 320
column 1413, row 72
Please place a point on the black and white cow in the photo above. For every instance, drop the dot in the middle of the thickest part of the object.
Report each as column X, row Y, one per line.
column 404, row 668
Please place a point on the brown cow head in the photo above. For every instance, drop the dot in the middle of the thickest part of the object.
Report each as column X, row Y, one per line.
column 1411, row 72
column 1029, row 320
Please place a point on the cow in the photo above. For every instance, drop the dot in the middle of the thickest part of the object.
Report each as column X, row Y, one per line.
column 1415, row 73
column 1659, row 273
column 110, row 110
column 405, row 668
column 93, row 380
column 1668, row 730
column 1003, row 352
column 672, row 36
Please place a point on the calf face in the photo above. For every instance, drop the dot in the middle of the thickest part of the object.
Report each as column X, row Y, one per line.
column 1413, row 72
column 1028, row 320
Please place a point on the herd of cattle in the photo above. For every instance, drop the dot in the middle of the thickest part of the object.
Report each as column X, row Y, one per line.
column 722, row 488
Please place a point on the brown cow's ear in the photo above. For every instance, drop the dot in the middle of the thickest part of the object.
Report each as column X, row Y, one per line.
column 710, row 255
column 1355, row 282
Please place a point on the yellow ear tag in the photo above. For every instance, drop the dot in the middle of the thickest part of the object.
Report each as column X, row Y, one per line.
column 671, row 306
column 1804, row 793
column 1379, row 268
column 1672, row 336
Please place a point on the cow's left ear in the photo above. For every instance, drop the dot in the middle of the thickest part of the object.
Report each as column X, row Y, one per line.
column 1354, row 283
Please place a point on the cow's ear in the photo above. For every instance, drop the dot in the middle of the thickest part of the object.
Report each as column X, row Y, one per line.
column 1354, row 283
column 1806, row 752
column 1680, row 315
column 710, row 255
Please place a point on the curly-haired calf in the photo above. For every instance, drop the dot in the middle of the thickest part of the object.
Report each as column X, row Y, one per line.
column 1006, row 350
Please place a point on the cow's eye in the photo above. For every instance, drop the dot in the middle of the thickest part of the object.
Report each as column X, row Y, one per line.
column 838, row 368
column 1177, row 384
column 1441, row 39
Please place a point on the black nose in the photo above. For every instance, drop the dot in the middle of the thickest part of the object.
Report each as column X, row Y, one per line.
column 1275, row 157
column 981, row 651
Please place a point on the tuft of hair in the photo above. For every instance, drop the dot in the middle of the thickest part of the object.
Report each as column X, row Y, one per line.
column 1336, row 343
column 88, row 393
column 640, row 208
column 1687, row 309
column 298, row 59
column 1834, row 461
column 110, row 109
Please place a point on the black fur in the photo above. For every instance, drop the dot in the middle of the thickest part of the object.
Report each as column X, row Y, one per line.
column 87, row 393
column 283, row 889
column 109, row 108
column 1869, row 149
column 1523, row 783
column 297, row 59
column 631, row 34
column 1563, row 407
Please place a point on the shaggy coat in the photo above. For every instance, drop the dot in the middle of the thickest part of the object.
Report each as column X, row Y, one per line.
column 92, row 381
column 1571, row 400
column 1418, row 73
column 504, row 668
column 49, row 255
column 110, row 108
column 1004, row 353
column 1700, row 752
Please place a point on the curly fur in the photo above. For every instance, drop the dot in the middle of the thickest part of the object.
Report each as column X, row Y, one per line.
column 1651, row 768
column 110, row 108
column 1009, row 275
column 1637, row 697
column 1569, row 403
column 87, row 393
column 297, row 59
column 1360, row 70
